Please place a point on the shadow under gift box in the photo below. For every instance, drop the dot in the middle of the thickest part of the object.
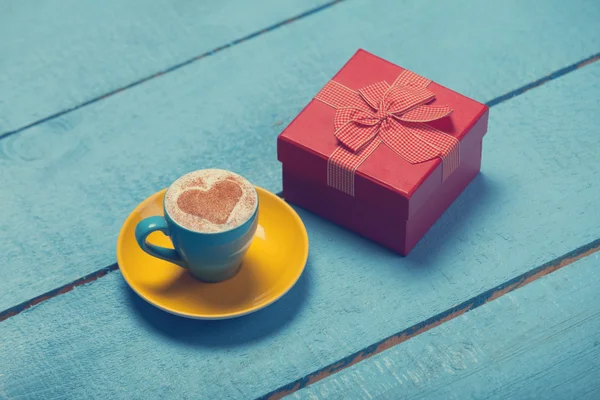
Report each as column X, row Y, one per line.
column 394, row 202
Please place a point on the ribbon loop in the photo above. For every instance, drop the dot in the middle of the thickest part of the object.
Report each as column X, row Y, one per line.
column 405, row 142
column 425, row 114
column 361, row 117
column 400, row 99
column 374, row 94
column 395, row 115
column 354, row 136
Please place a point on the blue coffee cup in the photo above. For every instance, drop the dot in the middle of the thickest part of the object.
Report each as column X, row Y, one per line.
column 210, row 257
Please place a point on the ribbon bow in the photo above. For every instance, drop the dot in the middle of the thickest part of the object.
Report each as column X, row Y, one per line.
column 395, row 115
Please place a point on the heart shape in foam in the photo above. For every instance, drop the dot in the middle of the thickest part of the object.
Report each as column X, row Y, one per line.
column 214, row 204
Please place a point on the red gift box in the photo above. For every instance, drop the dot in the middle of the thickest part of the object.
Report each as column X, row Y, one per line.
column 382, row 151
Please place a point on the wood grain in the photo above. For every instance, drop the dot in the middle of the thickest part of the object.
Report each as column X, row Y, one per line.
column 533, row 202
column 435, row 320
column 56, row 55
column 95, row 164
column 539, row 342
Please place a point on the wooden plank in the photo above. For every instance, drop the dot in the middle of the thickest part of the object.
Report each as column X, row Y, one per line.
column 533, row 202
column 56, row 55
column 98, row 162
column 539, row 342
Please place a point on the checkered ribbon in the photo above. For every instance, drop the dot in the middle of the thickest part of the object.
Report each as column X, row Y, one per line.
column 395, row 115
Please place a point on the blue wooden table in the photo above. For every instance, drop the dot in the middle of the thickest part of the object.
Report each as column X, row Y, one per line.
column 499, row 300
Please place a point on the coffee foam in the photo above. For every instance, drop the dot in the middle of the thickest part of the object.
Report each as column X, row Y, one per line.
column 215, row 218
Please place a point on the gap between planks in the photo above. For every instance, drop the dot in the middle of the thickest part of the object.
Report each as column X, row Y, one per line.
column 491, row 103
column 489, row 295
column 556, row 74
column 395, row 339
column 12, row 311
column 176, row 66
column 376, row 348
column 436, row 320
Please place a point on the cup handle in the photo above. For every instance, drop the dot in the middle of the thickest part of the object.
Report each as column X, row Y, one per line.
column 146, row 227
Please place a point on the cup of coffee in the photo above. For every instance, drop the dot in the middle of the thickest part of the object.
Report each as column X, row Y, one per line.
column 211, row 216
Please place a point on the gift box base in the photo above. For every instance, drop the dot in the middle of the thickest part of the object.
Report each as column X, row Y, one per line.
column 376, row 224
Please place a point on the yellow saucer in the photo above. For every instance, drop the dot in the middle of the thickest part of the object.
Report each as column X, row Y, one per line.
column 273, row 264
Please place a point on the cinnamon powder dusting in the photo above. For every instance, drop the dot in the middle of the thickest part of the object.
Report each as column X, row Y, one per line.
column 197, row 182
column 211, row 200
column 215, row 204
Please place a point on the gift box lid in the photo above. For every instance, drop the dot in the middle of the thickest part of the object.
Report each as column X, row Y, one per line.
column 384, row 177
